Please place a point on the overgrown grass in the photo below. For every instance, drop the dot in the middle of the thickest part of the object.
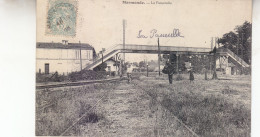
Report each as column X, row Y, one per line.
column 179, row 77
column 216, row 113
column 209, row 108
column 71, row 104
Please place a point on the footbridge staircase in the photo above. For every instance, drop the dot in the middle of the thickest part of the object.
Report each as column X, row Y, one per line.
column 232, row 57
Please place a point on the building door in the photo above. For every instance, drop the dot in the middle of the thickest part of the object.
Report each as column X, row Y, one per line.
column 47, row 68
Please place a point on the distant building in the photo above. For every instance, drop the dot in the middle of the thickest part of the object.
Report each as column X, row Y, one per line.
column 111, row 65
column 62, row 57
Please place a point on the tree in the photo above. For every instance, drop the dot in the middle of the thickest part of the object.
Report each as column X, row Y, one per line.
column 245, row 32
column 142, row 64
column 239, row 41
column 135, row 64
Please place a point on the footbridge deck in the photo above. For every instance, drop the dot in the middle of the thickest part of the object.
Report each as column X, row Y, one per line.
column 153, row 49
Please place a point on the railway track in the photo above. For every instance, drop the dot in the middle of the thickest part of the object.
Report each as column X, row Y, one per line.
column 104, row 96
column 84, row 115
column 67, row 130
column 176, row 118
column 93, row 106
column 79, row 83
column 192, row 133
column 52, row 103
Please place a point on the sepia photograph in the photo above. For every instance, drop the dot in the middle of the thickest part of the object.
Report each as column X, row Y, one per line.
column 145, row 68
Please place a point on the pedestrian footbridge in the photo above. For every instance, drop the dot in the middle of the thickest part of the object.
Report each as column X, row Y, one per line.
column 153, row 49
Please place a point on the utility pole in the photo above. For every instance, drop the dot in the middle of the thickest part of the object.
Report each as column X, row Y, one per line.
column 147, row 68
column 124, row 39
column 211, row 44
column 101, row 52
column 237, row 67
column 216, row 45
column 237, row 44
column 120, row 68
column 220, row 62
column 215, row 73
column 215, row 62
column 116, row 62
column 177, row 63
column 159, row 57
column 80, row 56
column 123, row 46
column 242, row 54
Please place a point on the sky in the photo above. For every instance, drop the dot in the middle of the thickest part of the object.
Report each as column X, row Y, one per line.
column 99, row 22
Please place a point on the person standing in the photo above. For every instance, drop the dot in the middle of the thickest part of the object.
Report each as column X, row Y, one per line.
column 191, row 75
column 170, row 66
column 206, row 73
column 170, row 77
column 169, row 70
column 129, row 73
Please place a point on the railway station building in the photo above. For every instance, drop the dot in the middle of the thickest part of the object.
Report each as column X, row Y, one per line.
column 62, row 57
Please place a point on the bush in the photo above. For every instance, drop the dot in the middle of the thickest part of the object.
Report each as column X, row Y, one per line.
column 87, row 75
column 50, row 77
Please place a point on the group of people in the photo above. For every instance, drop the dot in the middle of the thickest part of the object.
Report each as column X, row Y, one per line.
column 170, row 69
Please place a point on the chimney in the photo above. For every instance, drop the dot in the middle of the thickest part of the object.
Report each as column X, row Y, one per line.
column 65, row 42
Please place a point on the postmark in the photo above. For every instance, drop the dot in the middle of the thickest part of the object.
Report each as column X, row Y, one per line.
column 61, row 17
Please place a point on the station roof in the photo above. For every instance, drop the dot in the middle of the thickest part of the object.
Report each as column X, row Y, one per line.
column 52, row 45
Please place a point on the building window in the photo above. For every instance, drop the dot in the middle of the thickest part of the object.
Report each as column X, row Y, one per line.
column 87, row 54
column 65, row 42
column 77, row 54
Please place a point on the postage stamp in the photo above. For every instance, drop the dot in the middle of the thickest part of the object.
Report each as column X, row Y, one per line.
column 61, row 17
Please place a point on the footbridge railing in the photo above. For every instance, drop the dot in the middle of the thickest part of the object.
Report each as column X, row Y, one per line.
column 106, row 55
column 233, row 56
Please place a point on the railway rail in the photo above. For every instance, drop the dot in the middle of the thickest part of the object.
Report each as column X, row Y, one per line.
column 92, row 108
column 42, row 108
column 62, row 84
column 184, row 125
column 81, row 83
column 84, row 115
column 100, row 99
column 87, row 112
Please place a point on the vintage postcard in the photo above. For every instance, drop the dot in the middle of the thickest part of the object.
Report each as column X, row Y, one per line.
column 144, row 68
